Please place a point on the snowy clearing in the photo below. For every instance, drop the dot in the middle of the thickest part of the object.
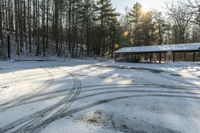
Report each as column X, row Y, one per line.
column 84, row 96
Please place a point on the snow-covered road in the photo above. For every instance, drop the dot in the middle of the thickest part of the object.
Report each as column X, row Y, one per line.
column 89, row 97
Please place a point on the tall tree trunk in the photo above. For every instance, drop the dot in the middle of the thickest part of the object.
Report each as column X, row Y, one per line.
column 17, row 25
column 1, row 30
column 69, row 26
column 43, row 28
column 29, row 26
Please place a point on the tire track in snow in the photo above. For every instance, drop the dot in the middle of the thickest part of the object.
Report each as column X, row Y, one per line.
column 159, row 94
column 54, row 94
column 10, row 104
column 44, row 123
column 29, row 123
column 154, row 71
column 21, row 77
column 37, row 128
column 10, row 83
column 100, row 102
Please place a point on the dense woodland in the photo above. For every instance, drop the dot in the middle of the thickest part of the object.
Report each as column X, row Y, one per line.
column 78, row 28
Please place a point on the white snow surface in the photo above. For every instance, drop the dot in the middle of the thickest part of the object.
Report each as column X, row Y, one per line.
column 85, row 96
column 161, row 48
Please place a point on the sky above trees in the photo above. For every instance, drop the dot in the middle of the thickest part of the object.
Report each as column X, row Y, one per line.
column 159, row 5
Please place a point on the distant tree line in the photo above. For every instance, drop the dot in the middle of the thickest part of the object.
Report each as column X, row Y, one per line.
column 180, row 24
column 93, row 28
column 44, row 27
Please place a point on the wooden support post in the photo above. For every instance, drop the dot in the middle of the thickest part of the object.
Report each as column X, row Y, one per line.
column 132, row 57
column 160, row 56
column 124, row 57
column 115, row 57
column 150, row 57
column 194, row 56
column 174, row 56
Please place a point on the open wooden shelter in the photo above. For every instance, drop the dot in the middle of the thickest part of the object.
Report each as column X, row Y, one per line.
column 159, row 53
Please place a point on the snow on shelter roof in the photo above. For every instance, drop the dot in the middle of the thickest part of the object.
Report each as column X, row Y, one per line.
column 161, row 48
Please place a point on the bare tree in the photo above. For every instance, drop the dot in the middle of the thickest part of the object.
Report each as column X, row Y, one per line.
column 180, row 16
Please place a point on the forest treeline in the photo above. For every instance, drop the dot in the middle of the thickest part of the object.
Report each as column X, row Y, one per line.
column 92, row 27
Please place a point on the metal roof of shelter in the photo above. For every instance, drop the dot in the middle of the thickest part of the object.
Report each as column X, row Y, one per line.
column 189, row 47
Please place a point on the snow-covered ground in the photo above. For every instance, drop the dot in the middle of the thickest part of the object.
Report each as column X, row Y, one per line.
column 85, row 96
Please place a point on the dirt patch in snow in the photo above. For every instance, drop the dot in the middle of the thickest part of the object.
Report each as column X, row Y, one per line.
column 120, row 123
column 92, row 117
